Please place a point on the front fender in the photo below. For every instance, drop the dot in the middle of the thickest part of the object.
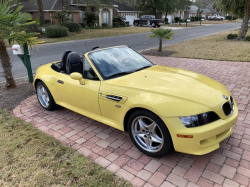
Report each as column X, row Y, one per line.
column 49, row 77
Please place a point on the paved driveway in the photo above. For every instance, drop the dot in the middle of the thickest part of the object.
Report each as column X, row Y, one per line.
column 227, row 166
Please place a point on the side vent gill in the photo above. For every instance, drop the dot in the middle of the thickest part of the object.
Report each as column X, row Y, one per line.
column 113, row 97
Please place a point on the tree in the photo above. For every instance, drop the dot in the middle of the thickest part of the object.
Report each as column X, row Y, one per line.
column 203, row 3
column 11, row 30
column 40, row 12
column 161, row 34
column 240, row 8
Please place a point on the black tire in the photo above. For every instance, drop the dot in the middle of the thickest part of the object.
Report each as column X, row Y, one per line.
column 167, row 145
column 153, row 24
column 51, row 103
column 136, row 24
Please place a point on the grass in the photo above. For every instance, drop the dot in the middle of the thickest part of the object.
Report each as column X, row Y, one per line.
column 98, row 33
column 212, row 47
column 29, row 157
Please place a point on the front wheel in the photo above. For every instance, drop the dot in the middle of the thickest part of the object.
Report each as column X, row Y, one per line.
column 136, row 24
column 44, row 96
column 149, row 134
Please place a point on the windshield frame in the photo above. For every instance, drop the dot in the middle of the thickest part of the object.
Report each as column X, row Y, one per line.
column 97, row 68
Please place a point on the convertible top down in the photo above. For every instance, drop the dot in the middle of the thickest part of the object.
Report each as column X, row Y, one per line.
column 160, row 107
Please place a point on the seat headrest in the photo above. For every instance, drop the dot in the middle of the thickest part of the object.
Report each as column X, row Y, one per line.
column 64, row 60
column 74, row 58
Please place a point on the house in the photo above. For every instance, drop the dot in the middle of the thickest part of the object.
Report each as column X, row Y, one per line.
column 185, row 14
column 77, row 9
column 128, row 12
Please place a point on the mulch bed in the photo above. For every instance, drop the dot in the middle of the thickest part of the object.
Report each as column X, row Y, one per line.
column 10, row 98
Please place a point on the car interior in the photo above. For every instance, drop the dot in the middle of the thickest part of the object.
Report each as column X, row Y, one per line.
column 72, row 62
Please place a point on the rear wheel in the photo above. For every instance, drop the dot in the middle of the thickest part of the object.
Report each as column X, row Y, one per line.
column 153, row 25
column 44, row 96
column 149, row 134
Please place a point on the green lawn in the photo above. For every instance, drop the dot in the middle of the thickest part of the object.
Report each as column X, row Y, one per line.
column 212, row 47
column 97, row 33
column 29, row 157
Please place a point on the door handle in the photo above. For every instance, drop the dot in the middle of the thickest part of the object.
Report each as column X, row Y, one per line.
column 61, row 82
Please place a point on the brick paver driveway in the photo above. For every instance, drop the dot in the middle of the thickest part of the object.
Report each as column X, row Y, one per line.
column 227, row 166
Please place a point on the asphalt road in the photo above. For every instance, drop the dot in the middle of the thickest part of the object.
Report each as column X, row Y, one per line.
column 53, row 52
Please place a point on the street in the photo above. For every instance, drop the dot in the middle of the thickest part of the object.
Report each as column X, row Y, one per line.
column 53, row 52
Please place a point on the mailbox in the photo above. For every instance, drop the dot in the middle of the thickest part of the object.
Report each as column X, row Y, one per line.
column 202, row 19
column 17, row 50
column 188, row 20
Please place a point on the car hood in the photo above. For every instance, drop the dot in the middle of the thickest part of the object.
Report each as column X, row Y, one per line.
column 176, row 83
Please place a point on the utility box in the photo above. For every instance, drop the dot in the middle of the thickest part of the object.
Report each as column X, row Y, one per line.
column 17, row 50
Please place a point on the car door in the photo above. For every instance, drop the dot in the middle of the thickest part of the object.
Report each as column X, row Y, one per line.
column 84, row 96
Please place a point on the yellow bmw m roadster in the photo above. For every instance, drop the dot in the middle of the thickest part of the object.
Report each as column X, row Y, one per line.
column 162, row 108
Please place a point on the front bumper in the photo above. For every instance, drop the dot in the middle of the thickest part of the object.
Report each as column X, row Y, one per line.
column 205, row 138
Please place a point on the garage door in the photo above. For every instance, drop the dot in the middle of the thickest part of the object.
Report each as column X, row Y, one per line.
column 130, row 17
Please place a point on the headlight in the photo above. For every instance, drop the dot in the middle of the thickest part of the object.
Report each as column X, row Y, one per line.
column 199, row 120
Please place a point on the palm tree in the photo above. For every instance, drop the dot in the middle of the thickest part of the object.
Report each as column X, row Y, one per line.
column 11, row 31
column 237, row 7
column 162, row 34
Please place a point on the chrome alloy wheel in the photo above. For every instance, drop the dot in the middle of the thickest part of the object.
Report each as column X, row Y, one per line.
column 147, row 134
column 43, row 96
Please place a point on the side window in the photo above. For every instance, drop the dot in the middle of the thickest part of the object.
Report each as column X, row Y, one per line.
column 89, row 73
column 142, row 17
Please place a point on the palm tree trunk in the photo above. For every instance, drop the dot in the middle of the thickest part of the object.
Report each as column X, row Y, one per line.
column 40, row 12
column 6, row 64
column 160, row 45
column 244, row 25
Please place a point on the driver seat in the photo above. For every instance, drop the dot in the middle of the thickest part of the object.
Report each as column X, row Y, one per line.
column 74, row 63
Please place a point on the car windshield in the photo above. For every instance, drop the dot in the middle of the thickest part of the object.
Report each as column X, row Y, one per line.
column 118, row 61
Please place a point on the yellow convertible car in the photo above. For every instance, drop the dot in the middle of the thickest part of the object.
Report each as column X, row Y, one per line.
column 160, row 107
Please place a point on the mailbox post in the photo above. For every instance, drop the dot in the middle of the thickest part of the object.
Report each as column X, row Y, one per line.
column 201, row 21
column 187, row 20
column 23, row 54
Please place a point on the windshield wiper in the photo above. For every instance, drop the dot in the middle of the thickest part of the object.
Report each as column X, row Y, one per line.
column 142, row 68
column 117, row 74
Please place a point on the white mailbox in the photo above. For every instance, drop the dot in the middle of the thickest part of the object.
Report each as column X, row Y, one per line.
column 202, row 19
column 17, row 50
column 188, row 20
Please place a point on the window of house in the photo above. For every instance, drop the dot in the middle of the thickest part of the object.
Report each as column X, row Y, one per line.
column 82, row 8
column 93, row 9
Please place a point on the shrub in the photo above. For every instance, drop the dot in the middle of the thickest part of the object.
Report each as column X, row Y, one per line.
column 177, row 19
column 119, row 21
column 192, row 19
column 247, row 38
column 31, row 28
column 82, row 25
column 104, row 25
column 166, row 20
column 55, row 31
column 90, row 19
column 228, row 17
column 73, row 27
column 232, row 36
column 234, row 17
column 181, row 20
column 47, row 22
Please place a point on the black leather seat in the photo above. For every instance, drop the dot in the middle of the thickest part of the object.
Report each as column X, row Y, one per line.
column 74, row 63
column 64, row 60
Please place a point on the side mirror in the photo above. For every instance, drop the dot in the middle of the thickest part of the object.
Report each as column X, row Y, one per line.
column 77, row 76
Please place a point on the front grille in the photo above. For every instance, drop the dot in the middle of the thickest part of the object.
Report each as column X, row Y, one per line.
column 226, row 107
